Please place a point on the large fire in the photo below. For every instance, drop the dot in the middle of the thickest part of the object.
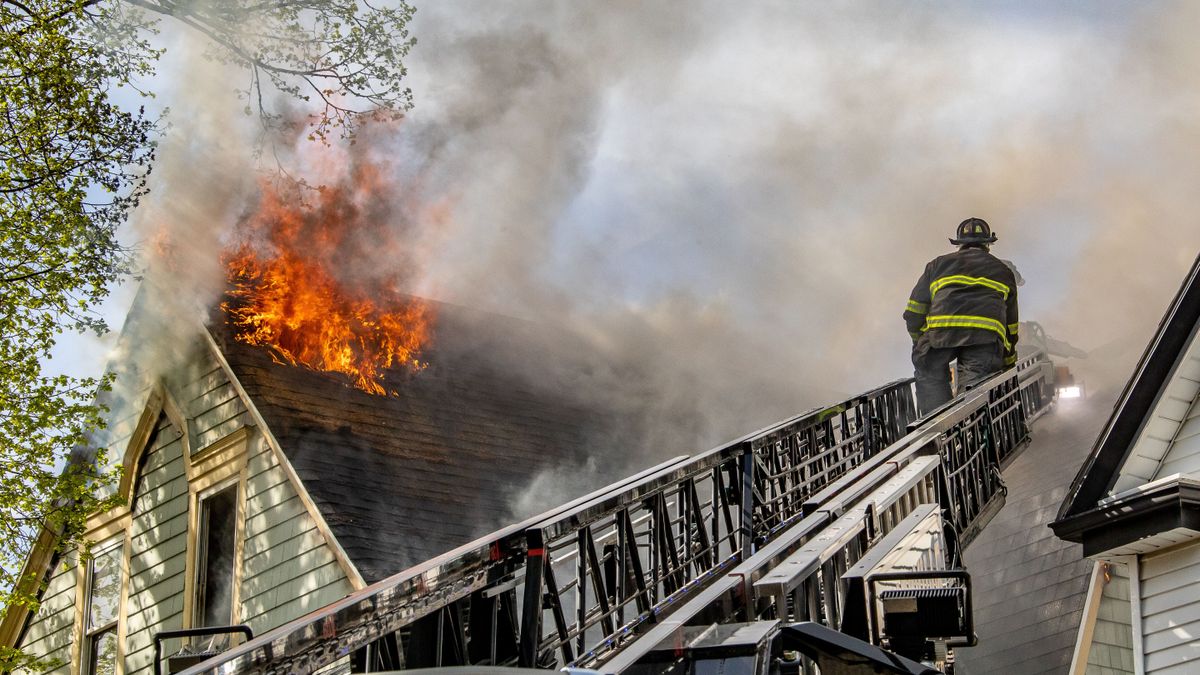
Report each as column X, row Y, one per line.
column 289, row 292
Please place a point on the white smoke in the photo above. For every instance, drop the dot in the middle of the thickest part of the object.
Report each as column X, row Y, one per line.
column 202, row 179
column 736, row 201
column 730, row 203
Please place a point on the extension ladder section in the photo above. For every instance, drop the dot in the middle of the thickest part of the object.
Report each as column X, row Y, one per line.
column 761, row 528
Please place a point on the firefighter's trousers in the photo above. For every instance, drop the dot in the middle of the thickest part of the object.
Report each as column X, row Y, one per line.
column 975, row 363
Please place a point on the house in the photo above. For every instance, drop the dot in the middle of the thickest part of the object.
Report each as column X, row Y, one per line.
column 254, row 492
column 1135, row 508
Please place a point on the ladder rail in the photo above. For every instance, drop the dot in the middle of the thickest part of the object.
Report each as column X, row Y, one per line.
column 667, row 533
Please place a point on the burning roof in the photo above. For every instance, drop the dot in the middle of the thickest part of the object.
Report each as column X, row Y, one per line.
column 440, row 460
column 295, row 288
column 414, row 426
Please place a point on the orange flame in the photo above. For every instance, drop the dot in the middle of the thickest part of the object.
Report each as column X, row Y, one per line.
column 286, row 293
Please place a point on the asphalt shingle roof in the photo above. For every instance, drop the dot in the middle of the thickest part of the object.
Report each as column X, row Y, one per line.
column 1029, row 586
column 401, row 479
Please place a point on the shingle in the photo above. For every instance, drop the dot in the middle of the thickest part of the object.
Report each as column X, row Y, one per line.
column 1028, row 585
column 403, row 478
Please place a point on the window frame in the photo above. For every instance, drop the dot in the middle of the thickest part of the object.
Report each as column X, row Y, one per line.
column 93, row 634
column 210, row 469
column 199, row 572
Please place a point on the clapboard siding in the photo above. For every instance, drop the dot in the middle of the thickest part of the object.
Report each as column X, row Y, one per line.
column 1111, row 652
column 217, row 417
column 286, row 511
column 1162, row 622
column 156, row 575
column 1183, row 456
column 213, row 405
column 50, row 632
column 115, row 439
column 304, row 546
column 144, row 545
column 206, row 405
column 1157, row 452
column 1170, row 627
column 288, row 568
column 160, row 488
column 220, row 431
column 1184, row 669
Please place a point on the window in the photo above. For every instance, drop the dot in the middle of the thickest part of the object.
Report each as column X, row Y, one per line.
column 215, row 562
column 104, row 599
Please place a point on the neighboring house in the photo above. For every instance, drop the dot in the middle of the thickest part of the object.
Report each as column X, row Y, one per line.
column 1135, row 507
column 255, row 492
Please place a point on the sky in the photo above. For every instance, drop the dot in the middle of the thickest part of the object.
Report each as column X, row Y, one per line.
column 736, row 201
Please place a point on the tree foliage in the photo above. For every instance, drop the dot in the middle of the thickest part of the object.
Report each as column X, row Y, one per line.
column 74, row 162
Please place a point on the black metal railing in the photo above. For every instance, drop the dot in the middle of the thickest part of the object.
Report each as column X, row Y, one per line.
column 612, row 567
column 576, row 584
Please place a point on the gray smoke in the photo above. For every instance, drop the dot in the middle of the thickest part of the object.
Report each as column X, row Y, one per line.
column 201, row 181
column 730, row 204
column 735, row 201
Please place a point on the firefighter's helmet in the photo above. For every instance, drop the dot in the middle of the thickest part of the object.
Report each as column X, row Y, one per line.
column 973, row 231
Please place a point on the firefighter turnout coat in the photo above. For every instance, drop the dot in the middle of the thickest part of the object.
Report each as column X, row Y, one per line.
column 963, row 298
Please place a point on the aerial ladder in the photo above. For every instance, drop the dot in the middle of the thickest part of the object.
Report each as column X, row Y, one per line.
column 830, row 542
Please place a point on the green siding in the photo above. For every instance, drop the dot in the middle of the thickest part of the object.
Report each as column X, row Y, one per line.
column 212, row 423
column 156, row 574
column 269, row 518
column 214, row 416
column 115, row 441
column 1112, row 640
column 287, row 568
column 212, row 404
column 145, row 544
column 50, row 635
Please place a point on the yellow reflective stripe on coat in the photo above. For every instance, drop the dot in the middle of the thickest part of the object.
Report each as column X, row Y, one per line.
column 966, row 321
column 1010, row 360
column 1013, row 328
column 965, row 280
column 918, row 307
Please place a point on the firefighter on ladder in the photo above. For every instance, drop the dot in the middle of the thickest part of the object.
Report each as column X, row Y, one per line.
column 963, row 307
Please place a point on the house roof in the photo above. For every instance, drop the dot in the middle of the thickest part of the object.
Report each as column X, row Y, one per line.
column 1028, row 586
column 1137, row 402
column 403, row 478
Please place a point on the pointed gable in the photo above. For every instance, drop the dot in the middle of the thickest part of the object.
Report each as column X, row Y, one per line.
column 444, row 458
column 1127, row 491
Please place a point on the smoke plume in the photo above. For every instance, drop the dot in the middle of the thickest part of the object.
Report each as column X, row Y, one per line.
column 735, row 202
column 730, row 204
column 201, row 182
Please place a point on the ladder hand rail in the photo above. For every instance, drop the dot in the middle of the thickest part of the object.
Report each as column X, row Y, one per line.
column 798, row 457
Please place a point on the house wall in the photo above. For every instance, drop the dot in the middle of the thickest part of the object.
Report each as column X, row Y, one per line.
column 1170, row 441
column 158, row 546
column 50, row 635
column 1170, row 608
column 1111, row 650
column 1168, row 596
column 286, row 567
column 1184, row 453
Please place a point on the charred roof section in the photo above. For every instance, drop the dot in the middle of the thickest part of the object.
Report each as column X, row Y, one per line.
column 405, row 477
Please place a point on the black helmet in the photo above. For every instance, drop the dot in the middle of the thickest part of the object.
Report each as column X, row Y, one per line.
column 973, row 231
